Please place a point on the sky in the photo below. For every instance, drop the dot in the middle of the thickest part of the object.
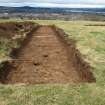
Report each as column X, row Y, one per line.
column 54, row 3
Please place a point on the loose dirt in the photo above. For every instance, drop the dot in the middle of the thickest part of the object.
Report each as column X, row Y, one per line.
column 46, row 57
column 10, row 29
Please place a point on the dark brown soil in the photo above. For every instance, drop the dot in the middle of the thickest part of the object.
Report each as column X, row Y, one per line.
column 47, row 56
column 10, row 29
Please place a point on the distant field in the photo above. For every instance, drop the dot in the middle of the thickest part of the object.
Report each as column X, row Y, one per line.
column 90, row 40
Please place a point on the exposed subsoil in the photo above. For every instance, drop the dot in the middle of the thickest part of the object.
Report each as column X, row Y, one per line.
column 46, row 56
column 10, row 29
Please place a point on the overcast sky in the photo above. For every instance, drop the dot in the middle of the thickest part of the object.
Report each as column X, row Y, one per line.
column 54, row 3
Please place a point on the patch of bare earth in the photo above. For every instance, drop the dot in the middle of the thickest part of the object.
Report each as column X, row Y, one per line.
column 10, row 29
column 46, row 57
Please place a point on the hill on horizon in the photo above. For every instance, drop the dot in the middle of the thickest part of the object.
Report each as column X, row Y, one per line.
column 29, row 9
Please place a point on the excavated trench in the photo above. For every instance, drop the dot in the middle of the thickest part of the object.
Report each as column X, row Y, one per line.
column 46, row 56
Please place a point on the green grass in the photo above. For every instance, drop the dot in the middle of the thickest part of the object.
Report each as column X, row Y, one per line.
column 91, row 43
column 5, row 47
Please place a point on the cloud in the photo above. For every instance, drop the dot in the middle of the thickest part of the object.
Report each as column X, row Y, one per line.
column 67, row 5
column 100, row 1
column 56, row 1
column 53, row 3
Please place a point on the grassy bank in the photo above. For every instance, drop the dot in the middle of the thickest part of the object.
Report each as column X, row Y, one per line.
column 90, row 40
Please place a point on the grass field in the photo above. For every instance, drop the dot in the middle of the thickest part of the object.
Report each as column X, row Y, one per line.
column 90, row 40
